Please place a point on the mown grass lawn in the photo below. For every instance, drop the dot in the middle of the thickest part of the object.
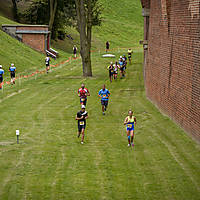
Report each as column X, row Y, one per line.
column 50, row 162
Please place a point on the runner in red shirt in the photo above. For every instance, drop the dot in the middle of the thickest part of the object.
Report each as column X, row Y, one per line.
column 83, row 93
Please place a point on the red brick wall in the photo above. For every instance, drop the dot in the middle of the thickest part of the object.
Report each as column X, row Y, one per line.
column 36, row 41
column 172, row 71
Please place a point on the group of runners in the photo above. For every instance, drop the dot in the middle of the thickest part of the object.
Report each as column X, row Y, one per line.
column 82, row 115
column 12, row 70
column 104, row 94
column 83, row 93
column 119, row 65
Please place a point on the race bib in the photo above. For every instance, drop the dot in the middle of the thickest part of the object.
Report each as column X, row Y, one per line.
column 82, row 123
column 47, row 63
column 82, row 99
column 129, row 125
column 104, row 95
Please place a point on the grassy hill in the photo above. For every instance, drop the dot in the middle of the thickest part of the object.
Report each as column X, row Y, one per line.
column 50, row 162
column 122, row 23
column 122, row 26
column 25, row 59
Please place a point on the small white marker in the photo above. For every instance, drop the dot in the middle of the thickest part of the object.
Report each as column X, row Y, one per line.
column 17, row 134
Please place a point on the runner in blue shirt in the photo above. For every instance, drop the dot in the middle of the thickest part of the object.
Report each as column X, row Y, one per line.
column 12, row 71
column 121, row 66
column 1, row 76
column 104, row 94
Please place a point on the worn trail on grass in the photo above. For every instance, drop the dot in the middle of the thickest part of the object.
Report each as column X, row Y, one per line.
column 51, row 162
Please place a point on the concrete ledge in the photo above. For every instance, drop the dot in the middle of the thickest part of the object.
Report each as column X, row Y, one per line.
column 31, row 32
column 23, row 25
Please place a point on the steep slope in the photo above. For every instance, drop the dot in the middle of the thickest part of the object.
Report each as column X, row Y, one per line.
column 122, row 23
column 25, row 58
column 122, row 26
column 13, row 51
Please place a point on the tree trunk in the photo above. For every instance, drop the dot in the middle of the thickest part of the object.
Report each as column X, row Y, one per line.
column 53, row 7
column 15, row 14
column 85, row 38
column 89, row 36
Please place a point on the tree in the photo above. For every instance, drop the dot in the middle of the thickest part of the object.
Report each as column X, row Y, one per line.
column 88, row 12
column 57, row 15
column 53, row 8
column 15, row 12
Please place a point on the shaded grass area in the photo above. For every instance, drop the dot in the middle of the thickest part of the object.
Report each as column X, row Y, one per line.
column 50, row 162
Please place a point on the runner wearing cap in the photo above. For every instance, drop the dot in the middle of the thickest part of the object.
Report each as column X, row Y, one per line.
column 75, row 50
column 111, row 71
column 116, row 67
column 12, row 71
column 104, row 94
column 47, row 61
column 1, row 76
column 81, row 116
column 83, row 93
column 130, row 122
column 130, row 51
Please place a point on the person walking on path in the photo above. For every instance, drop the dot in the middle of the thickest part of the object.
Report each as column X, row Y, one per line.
column 47, row 61
column 81, row 117
column 121, row 67
column 116, row 67
column 12, row 71
column 124, row 58
column 104, row 94
column 111, row 71
column 107, row 46
column 83, row 93
column 75, row 50
column 130, row 51
column 130, row 122
column 1, row 77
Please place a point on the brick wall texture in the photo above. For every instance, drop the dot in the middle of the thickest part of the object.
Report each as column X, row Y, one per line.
column 172, row 70
column 36, row 41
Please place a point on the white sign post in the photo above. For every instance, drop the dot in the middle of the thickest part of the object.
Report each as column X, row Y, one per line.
column 17, row 134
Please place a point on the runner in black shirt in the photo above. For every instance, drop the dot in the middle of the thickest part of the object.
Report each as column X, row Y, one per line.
column 75, row 51
column 107, row 46
column 81, row 117
column 111, row 71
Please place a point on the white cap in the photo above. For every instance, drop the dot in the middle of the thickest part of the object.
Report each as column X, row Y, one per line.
column 82, row 106
column 111, row 63
column 120, row 56
column 0, row 66
column 12, row 64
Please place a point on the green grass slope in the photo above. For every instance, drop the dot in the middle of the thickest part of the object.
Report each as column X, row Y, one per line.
column 13, row 51
column 25, row 58
column 122, row 26
column 50, row 162
column 122, row 23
